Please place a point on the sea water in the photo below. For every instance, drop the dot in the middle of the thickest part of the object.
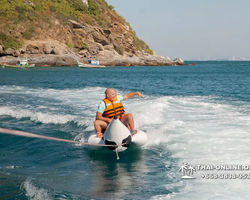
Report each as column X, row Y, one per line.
column 193, row 115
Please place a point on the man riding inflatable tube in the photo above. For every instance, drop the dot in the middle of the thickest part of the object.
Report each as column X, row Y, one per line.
column 111, row 106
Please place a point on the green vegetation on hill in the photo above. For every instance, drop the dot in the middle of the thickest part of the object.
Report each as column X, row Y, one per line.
column 21, row 10
column 19, row 19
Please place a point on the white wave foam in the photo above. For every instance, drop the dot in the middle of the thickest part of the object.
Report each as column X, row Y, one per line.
column 199, row 130
column 37, row 116
column 52, row 106
column 35, row 193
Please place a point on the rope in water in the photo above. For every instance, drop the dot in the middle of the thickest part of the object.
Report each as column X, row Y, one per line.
column 26, row 134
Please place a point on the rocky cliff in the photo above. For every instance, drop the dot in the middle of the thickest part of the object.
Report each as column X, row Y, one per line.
column 62, row 32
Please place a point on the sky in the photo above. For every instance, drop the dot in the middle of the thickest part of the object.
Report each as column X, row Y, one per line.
column 190, row 29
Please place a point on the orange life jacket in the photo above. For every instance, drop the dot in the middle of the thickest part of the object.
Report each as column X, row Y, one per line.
column 113, row 108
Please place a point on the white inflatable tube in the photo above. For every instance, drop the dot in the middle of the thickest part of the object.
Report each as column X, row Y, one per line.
column 93, row 139
column 118, row 134
column 140, row 138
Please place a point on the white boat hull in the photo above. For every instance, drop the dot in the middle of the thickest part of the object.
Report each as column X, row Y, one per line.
column 83, row 65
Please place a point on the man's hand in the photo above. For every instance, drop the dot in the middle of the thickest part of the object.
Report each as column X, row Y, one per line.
column 99, row 135
column 140, row 95
column 100, row 117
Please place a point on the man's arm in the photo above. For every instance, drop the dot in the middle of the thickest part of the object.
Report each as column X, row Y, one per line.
column 100, row 111
column 130, row 95
column 100, row 117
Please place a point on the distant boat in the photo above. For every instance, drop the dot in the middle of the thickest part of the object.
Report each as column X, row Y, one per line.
column 22, row 63
column 92, row 64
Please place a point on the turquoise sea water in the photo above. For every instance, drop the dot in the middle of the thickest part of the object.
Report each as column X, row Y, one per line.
column 192, row 114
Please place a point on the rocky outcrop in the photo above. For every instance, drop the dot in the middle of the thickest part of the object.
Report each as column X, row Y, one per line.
column 76, row 24
column 44, row 47
column 64, row 46
column 53, row 53
column 178, row 61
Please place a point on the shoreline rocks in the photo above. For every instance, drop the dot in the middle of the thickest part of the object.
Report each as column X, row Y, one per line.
column 71, row 60
column 51, row 52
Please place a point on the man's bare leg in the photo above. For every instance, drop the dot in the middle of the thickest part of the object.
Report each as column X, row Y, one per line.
column 99, row 126
column 128, row 120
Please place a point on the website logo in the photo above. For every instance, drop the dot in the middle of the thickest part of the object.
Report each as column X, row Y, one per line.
column 187, row 170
